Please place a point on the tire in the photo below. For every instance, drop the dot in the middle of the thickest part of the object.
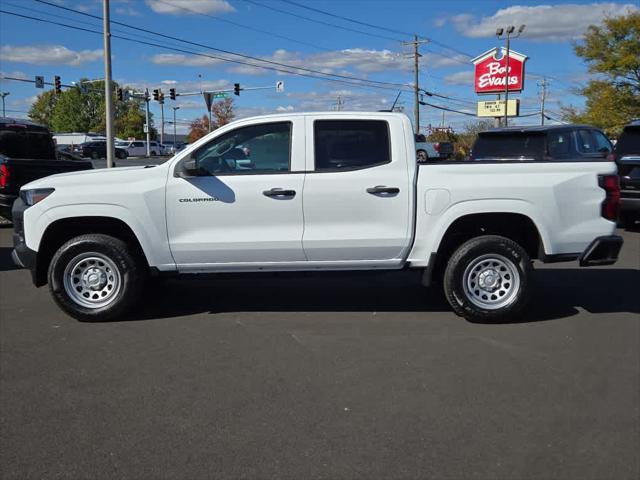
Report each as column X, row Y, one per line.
column 488, row 279
column 421, row 156
column 153, row 153
column 120, row 154
column 117, row 275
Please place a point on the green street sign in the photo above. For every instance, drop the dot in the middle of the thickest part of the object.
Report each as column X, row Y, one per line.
column 220, row 95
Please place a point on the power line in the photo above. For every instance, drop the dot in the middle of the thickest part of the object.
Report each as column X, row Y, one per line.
column 353, row 30
column 181, row 50
column 246, row 27
column 228, row 52
column 346, row 18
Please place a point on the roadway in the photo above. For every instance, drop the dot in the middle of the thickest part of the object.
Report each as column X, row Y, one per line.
column 328, row 376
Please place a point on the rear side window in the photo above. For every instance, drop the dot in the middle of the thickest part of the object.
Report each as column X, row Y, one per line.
column 24, row 143
column 559, row 144
column 629, row 142
column 138, row 144
column 516, row 146
column 350, row 144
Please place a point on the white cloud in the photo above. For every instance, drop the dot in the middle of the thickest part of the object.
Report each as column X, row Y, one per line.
column 186, row 7
column 460, row 78
column 543, row 22
column 48, row 55
column 128, row 11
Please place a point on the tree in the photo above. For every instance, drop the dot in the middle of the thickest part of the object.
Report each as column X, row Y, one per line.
column 613, row 52
column 74, row 111
column 222, row 112
column 198, row 128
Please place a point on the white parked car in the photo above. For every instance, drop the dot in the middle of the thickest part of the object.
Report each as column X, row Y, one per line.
column 138, row 148
column 323, row 191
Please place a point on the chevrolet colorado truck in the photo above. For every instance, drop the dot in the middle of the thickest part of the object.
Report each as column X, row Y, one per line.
column 308, row 192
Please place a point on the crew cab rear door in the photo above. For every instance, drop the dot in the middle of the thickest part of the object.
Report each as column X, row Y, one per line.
column 358, row 190
column 243, row 208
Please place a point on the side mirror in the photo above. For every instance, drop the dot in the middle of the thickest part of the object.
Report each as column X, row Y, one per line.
column 190, row 169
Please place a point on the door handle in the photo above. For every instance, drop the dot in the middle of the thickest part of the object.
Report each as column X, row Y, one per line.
column 279, row 192
column 381, row 189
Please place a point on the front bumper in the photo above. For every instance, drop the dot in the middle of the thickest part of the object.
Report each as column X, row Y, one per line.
column 22, row 255
column 602, row 251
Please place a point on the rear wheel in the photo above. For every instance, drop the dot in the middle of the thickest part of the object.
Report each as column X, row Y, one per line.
column 488, row 279
column 120, row 154
column 95, row 277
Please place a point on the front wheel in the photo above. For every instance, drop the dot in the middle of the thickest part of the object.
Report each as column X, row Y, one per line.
column 96, row 277
column 488, row 279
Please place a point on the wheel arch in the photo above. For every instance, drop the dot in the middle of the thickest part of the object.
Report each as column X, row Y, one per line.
column 516, row 226
column 64, row 229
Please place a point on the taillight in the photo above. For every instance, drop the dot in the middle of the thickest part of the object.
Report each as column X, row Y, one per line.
column 611, row 185
column 4, row 175
column 437, row 146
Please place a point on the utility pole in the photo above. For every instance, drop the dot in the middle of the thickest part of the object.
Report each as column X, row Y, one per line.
column 543, row 96
column 4, row 94
column 174, row 128
column 499, row 32
column 146, row 101
column 162, row 120
column 108, row 91
column 416, row 87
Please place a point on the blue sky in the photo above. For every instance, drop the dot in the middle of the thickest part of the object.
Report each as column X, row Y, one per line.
column 261, row 28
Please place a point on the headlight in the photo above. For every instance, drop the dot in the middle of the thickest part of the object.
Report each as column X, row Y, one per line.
column 31, row 197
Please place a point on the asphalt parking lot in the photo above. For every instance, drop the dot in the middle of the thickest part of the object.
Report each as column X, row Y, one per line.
column 328, row 376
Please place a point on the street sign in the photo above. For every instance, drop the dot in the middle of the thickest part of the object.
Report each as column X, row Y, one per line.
column 490, row 72
column 219, row 95
column 495, row 108
column 279, row 86
column 145, row 128
column 208, row 98
column 39, row 81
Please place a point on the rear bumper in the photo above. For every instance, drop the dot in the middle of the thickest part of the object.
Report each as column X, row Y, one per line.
column 6, row 202
column 602, row 251
column 629, row 204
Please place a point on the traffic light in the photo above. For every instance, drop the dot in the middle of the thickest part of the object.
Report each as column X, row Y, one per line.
column 172, row 93
column 236, row 89
column 161, row 97
column 156, row 94
column 57, row 84
column 120, row 97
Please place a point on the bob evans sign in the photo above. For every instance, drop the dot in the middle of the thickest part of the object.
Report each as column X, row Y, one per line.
column 490, row 71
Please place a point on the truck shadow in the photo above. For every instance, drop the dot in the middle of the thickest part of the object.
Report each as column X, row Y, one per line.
column 559, row 293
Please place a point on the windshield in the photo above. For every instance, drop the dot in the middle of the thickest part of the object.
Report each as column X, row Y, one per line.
column 629, row 142
column 514, row 145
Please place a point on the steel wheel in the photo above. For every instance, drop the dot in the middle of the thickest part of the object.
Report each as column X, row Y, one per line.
column 92, row 280
column 491, row 281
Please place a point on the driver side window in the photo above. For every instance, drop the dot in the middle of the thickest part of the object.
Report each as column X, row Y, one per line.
column 264, row 148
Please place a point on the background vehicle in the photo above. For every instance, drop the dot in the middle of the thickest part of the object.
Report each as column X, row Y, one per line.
column 99, row 150
column 566, row 143
column 627, row 155
column 27, row 152
column 75, row 139
column 322, row 191
column 138, row 148
column 426, row 151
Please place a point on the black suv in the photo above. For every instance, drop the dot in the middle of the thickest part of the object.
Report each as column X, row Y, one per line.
column 98, row 149
column 627, row 155
column 563, row 143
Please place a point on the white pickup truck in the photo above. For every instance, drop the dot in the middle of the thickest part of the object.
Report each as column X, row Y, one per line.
column 308, row 192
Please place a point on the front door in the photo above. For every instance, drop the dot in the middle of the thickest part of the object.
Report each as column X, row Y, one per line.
column 242, row 209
